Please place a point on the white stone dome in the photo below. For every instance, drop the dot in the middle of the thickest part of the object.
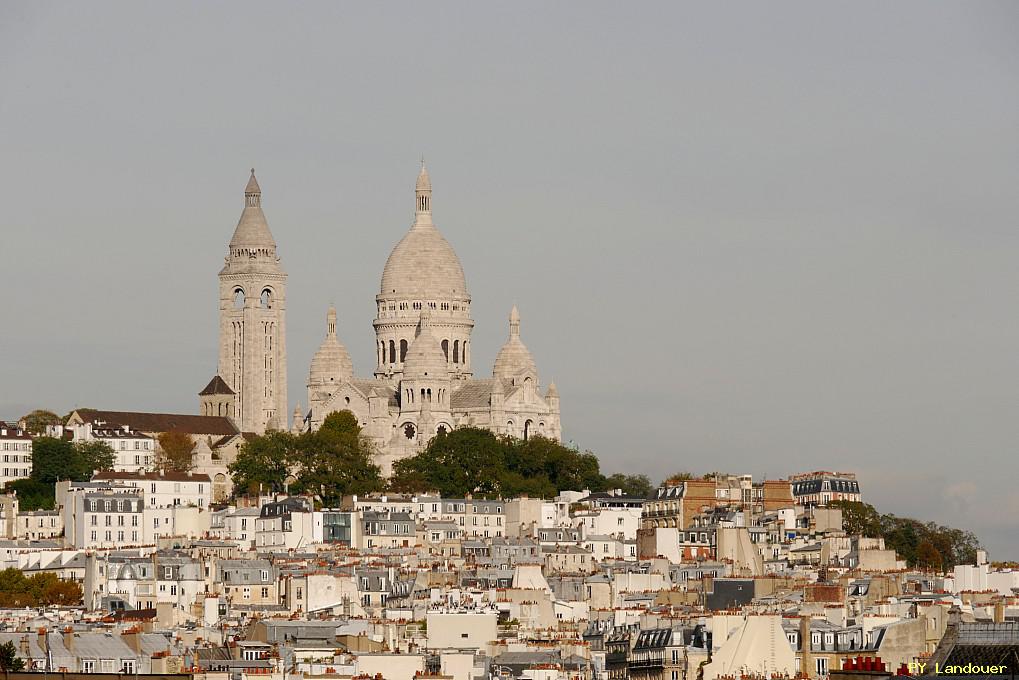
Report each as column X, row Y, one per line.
column 331, row 363
column 423, row 265
column 514, row 359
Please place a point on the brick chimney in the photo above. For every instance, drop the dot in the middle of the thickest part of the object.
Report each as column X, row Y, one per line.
column 807, row 663
column 69, row 638
column 132, row 638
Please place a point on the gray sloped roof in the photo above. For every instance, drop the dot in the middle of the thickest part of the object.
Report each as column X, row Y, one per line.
column 368, row 385
column 473, row 394
column 101, row 646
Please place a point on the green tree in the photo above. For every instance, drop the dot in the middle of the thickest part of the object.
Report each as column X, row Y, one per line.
column 927, row 556
column 92, row 456
column 465, row 461
column 859, row 519
column 37, row 420
column 39, row 590
column 33, row 494
column 53, row 459
column 336, row 460
column 10, row 662
column 176, row 451
column 476, row 461
column 631, row 485
column 265, row 462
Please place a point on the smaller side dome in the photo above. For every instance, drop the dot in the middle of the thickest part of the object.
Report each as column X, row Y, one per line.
column 514, row 359
column 331, row 363
column 425, row 357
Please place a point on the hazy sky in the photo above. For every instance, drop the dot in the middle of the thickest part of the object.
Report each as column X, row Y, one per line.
column 760, row 238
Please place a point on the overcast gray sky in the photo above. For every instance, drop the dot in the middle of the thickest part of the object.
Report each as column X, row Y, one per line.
column 761, row 238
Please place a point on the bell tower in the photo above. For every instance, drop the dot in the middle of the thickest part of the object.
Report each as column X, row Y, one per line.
column 252, row 321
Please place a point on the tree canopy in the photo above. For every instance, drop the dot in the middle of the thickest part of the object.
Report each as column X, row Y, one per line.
column 55, row 459
column 333, row 461
column 677, row 478
column 32, row 494
column 631, row 485
column 39, row 590
column 37, row 420
column 10, row 662
column 476, row 461
column 176, row 451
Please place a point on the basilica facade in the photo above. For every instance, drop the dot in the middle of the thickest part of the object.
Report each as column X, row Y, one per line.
column 424, row 382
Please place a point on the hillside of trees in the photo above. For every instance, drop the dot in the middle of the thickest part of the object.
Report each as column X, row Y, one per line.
column 922, row 544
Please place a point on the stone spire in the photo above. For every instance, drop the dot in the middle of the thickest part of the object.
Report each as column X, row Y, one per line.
column 252, row 237
column 253, row 192
column 331, row 321
column 514, row 324
column 423, row 198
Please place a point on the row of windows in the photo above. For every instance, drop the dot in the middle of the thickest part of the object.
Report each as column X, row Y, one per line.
column 122, row 445
column 109, row 505
column 405, row 305
column 17, row 446
column 17, row 472
column 460, row 507
column 120, row 536
column 109, row 520
column 388, row 353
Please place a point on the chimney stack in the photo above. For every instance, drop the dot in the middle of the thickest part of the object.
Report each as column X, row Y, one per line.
column 132, row 638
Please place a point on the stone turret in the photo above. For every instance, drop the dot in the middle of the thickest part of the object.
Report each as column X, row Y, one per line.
column 514, row 361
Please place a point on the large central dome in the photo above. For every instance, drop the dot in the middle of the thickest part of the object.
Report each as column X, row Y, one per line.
column 423, row 265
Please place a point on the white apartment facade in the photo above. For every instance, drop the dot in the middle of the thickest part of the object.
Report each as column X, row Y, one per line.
column 133, row 451
column 100, row 515
column 164, row 489
column 16, row 445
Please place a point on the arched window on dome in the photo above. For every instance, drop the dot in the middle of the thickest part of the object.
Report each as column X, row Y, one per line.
column 403, row 351
column 456, row 351
column 445, row 349
column 429, row 394
column 392, row 352
column 266, row 299
column 238, row 298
